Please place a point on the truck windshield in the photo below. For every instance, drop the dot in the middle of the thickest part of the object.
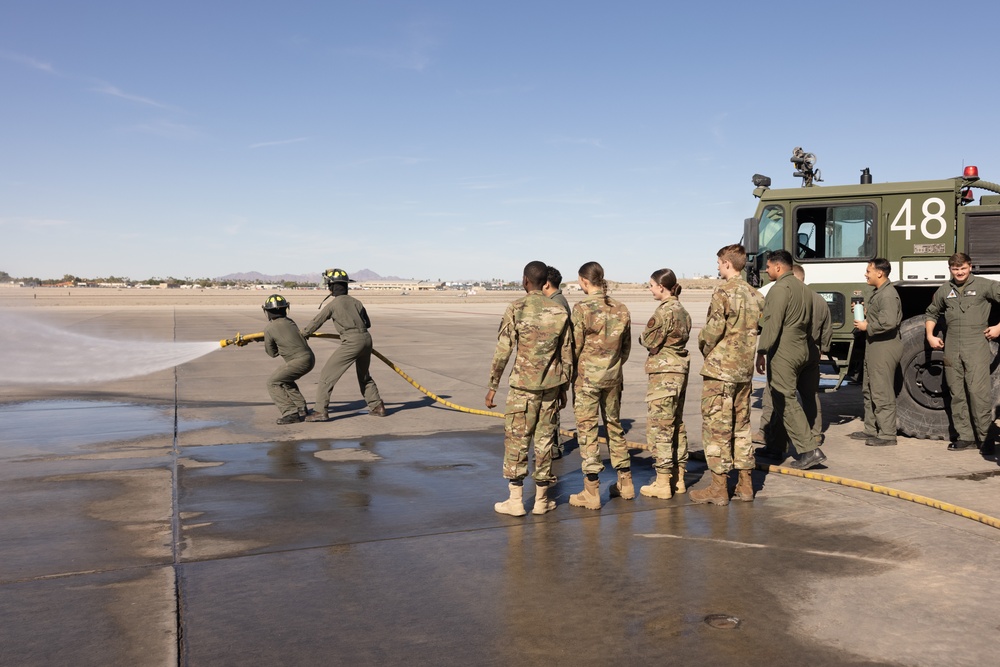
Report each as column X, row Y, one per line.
column 772, row 230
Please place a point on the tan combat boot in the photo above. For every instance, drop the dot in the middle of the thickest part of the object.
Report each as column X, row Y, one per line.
column 717, row 493
column 542, row 502
column 659, row 488
column 623, row 487
column 679, row 471
column 514, row 505
column 590, row 497
column 744, row 487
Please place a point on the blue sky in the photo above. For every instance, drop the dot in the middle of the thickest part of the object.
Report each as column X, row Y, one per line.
column 458, row 139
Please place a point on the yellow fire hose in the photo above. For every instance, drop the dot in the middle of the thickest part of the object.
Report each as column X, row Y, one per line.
column 240, row 340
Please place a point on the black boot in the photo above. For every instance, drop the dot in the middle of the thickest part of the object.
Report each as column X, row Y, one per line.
column 808, row 460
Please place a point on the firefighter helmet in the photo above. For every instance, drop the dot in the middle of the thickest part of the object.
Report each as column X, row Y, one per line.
column 275, row 303
column 331, row 276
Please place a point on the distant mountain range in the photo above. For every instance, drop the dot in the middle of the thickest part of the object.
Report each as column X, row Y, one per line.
column 251, row 276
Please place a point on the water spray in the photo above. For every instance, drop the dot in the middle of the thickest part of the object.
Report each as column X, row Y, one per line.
column 36, row 353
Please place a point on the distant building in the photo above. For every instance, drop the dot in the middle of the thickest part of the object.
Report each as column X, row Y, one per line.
column 399, row 285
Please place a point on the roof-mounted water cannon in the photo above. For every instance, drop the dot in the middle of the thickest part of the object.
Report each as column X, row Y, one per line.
column 805, row 167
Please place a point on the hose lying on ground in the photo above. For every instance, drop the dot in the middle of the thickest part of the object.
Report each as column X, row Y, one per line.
column 240, row 340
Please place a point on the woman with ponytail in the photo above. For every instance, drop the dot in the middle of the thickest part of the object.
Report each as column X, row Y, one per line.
column 665, row 337
column 602, row 340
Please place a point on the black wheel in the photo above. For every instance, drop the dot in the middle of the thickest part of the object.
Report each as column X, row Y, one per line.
column 922, row 400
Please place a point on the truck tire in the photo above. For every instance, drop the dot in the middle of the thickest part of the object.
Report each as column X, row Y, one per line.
column 922, row 399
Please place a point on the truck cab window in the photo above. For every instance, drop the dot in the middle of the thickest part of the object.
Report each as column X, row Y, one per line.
column 834, row 232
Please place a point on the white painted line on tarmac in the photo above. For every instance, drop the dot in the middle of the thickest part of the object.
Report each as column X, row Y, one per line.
column 753, row 545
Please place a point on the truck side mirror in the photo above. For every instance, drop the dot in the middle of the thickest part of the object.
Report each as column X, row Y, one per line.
column 751, row 227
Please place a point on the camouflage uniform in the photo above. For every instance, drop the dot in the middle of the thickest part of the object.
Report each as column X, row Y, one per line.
column 967, row 355
column 539, row 330
column 281, row 336
column 666, row 336
column 352, row 323
column 792, row 365
column 602, row 340
column 822, row 334
column 728, row 342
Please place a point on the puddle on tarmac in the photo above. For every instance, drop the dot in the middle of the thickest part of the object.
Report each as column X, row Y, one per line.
column 977, row 476
column 446, row 466
column 351, row 454
column 407, row 457
column 47, row 427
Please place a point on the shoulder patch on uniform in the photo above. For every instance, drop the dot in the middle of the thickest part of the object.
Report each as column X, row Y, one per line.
column 952, row 295
column 651, row 322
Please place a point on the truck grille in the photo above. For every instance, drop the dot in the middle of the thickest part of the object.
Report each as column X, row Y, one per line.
column 982, row 241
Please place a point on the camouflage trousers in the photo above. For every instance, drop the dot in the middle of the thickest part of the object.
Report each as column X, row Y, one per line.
column 589, row 403
column 725, row 418
column 665, row 432
column 530, row 415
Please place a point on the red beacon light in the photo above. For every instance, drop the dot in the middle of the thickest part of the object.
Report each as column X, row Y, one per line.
column 971, row 173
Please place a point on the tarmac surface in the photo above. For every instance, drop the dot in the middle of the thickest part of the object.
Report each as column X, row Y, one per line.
column 167, row 520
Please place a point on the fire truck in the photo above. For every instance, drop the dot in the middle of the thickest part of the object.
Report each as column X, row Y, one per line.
column 834, row 231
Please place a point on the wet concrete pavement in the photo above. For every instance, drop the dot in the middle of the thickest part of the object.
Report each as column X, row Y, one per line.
column 167, row 520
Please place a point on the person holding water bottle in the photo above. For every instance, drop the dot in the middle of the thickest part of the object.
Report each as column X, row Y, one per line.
column 882, row 318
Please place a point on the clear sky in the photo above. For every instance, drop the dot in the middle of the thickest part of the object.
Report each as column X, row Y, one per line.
column 459, row 139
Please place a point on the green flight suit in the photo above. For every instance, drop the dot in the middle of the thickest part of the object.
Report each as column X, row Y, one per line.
column 822, row 334
column 883, row 350
column 281, row 336
column 352, row 323
column 967, row 357
column 560, row 298
column 792, row 363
